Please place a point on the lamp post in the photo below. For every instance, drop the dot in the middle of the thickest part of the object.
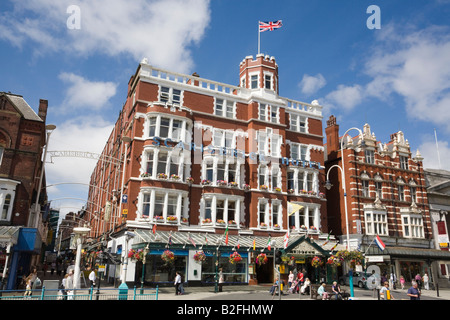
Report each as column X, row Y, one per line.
column 49, row 129
column 144, row 261
column 79, row 232
column 126, row 140
column 328, row 185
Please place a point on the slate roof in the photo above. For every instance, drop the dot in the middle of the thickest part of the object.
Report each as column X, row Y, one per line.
column 22, row 106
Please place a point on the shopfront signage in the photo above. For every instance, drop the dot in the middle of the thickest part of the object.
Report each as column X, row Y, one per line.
column 374, row 258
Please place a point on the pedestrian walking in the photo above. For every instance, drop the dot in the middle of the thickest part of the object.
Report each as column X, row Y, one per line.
column 385, row 292
column 402, row 282
column 418, row 280
column 414, row 291
column 69, row 285
column 221, row 280
column 92, row 277
column 64, row 286
column 426, row 283
column 393, row 281
column 290, row 278
column 177, row 283
column 53, row 267
column 28, row 288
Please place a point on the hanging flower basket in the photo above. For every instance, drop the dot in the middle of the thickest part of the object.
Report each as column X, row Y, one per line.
column 168, row 256
column 261, row 259
column 199, row 256
column 316, row 262
column 334, row 261
column 235, row 258
column 352, row 257
column 137, row 255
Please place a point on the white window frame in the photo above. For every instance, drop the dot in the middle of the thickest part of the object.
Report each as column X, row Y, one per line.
column 296, row 121
column 224, row 110
column 183, row 131
column 176, row 155
column 251, row 75
column 169, row 96
column 403, row 162
column 300, row 151
column 211, row 162
column 150, row 193
column 7, row 187
column 271, row 80
column 413, row 227
column 376, row 222
column 227, row 199
column 369, row 156
column 308, row 216
column 265, row 204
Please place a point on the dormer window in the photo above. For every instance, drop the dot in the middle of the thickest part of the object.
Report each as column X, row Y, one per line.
column 370, row 158
column 403, row 162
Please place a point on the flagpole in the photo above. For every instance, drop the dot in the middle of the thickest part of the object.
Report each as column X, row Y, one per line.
column 259, row 39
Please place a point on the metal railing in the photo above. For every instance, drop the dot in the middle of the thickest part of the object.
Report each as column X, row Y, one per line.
column 81, row 294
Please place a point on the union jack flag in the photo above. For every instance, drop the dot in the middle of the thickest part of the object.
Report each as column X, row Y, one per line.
column 269, row 26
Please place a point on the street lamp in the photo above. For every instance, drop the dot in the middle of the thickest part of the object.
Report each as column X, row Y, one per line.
column 49, row 129
column 126, row 140
column 128, row 235
column 144, row 261
column 328, row 185
column 79, row 232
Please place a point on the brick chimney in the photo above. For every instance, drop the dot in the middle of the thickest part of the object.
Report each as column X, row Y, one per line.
column 43, row 106
column 332, row 133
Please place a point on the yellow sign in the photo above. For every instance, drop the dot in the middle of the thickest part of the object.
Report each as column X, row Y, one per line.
column 125, row 212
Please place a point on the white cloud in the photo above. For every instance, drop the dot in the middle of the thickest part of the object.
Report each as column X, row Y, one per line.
column 418, row 71
column 86, row 94
column 311, row 84
column 429, row 151
column 71, row 174
column 411, row 64
column 161, row 30
column 346, row 97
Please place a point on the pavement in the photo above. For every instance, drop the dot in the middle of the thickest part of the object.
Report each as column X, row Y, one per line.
column 261, row 292
column 258, row 292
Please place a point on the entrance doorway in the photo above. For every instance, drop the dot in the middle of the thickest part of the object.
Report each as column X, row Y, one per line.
column 264, row 273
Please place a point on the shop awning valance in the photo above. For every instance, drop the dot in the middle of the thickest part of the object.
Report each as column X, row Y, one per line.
column 8, row 235
column 411, row 253
column 296, row 243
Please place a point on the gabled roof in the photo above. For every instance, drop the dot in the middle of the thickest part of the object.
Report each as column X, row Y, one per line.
column 22, row 106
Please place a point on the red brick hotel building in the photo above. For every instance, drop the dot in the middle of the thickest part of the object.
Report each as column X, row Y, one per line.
column 204, row 157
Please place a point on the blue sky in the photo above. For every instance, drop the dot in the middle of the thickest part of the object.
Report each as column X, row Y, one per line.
column 394, row 78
